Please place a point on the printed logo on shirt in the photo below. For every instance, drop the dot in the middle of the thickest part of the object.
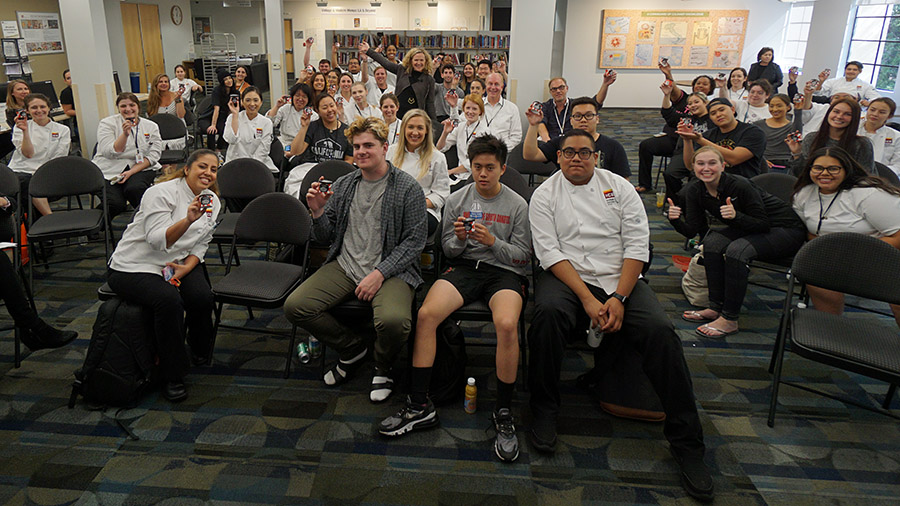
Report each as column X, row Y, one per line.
column 258, row 133
column 488, row 218
column 888, row 141
column 609, row 197
column 147, row 136
column 54, row 135
column 727, row 143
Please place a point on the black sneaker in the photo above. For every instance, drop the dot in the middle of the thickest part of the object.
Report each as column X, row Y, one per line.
column 543, row 434
column 695, row 476
column 506, row 444
column 42, row 336
column 410, row 417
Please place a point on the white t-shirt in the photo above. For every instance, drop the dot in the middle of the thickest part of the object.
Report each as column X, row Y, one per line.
column 747, row 113
column 143, row 142
column 435, row 182
column 868, row 211
column 287, row 118
column 188, row 87
column 813, row 118
column 50, row 141
column 253, row 139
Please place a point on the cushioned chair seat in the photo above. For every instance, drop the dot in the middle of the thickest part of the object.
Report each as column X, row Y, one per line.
column 870, row 344
column 170, row 156
column 243, row 284
column 225, row 228
column 69, row 223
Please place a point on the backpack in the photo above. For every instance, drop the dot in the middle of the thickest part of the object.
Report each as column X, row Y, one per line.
column 448, row 374
column 120, row 365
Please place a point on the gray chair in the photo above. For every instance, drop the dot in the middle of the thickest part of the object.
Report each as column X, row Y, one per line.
column 270, row 218
column 777, row 184
column 854, row 264
column 240, row 181
column 516, row 160
column 171, row 128
column 9, row 187
column 68, row 176
column 331, row 170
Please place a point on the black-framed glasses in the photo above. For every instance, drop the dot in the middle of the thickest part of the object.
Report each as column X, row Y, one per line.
column 832, row 170
column 589, row 116
column 558, row 88
column 584, row 154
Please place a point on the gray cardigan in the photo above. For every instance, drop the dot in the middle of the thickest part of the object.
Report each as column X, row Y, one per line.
column 424, row 88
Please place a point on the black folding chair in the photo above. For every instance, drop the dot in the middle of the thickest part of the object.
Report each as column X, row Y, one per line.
column 532, row 169
column 171, row 128
column 9, row 187
column 885, row 172
column 331, row 170
column 240, row 181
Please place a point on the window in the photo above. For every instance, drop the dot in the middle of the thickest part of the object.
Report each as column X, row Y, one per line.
column 795, row 35
column 875, row 42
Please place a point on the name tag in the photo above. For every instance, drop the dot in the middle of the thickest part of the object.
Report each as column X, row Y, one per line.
column 258, row 134
column 139, row 158
column 609, row 197
column 888, row 141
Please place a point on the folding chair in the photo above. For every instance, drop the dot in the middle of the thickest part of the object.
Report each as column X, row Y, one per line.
column 240, row 180
column 516, row 160
column 171, row 128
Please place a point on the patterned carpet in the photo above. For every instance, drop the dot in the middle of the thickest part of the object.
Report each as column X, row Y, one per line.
column 247, row 436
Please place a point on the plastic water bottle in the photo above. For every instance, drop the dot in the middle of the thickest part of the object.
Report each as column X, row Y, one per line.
column 476, row 212
column 471, row 396
column 315, row 347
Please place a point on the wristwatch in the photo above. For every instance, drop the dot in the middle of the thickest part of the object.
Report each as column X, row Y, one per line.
column 619, row 296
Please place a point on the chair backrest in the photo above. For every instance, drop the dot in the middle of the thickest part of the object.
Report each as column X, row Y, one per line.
column 777, row 184
column 517, row 161
column 276, row 152
column 515, row 181
column 332, row 169
column 244, row 178
column 850, row 263
column 274, row 217
column 885, row 172
column 170, row 126
column 204, row 108
column 9, row 182
column 67, row 175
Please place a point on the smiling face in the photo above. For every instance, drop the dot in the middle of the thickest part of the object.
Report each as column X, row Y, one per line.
column 484, row 69
column 469, row 71
column 447, row 75
column 558, row 90
column 471, row 111
column 389, row 111
column 577, row 170
column 39, row 109
column 20, row 91
column 708, row 167
column 252, row 102
column 737, row 79
column 318, row 83
column 696, row 106
column 494, row 86
column 476, row 88
column 327, row 110
column 368, row 151
column 228, row 81
column 162, row 85
column 179, row 72
column 757, row 96
column 418, row 62
column 703, row 85
column 240, row 74
column 299, row 100
column 877, row 114
column 380, row 76
column 777, row 108
column 331, row 78
column 201, row 174
column 391, row 52
column 358, row 93
column 345, row 83
column 828, row 181
column 128, row 109
column 415, row 132
column 840, row 116
column 851, row 72
column 353, row 65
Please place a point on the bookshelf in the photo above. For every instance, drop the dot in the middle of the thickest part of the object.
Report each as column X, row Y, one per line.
column 463, row 45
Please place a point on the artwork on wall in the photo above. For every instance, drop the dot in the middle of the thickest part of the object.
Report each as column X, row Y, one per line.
column 41, row 32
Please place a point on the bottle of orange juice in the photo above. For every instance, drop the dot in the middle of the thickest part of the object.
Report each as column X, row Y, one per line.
column 471, row 395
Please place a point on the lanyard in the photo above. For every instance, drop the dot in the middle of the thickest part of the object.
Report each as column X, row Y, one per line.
column 823, row 213
column 474, row 129
column 135, row 131
column 491, row 120
column 395, row 127
column 565, row 113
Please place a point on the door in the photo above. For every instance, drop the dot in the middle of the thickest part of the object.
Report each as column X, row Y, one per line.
column 289, row 49
column 143, row 41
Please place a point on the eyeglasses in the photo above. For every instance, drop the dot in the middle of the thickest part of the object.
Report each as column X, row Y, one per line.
column 832, row 170
column 584, row 154
column 558, row 88
column 589, row 116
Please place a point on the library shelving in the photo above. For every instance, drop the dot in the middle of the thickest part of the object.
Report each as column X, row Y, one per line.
column 463, row 45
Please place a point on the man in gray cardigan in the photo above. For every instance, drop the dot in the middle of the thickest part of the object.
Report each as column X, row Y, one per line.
column 374, row 219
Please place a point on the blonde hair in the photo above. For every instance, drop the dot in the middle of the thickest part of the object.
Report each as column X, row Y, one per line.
column 175, row 172
column 155, row 99
column 407, row 60
column 10, row 100
column 426, row 150
column 375, row 126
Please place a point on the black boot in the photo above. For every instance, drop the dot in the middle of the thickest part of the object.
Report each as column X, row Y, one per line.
column 41, row 335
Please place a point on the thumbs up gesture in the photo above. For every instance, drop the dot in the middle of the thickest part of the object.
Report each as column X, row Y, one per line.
column 727, row 211
column 674, row 211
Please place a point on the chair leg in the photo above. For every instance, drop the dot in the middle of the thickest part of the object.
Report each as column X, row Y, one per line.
column 17, row 347
column 290, row 351
column 249, row 313
column 212, row 340
column 776, row 379
column 221, row 254
column 889, row 396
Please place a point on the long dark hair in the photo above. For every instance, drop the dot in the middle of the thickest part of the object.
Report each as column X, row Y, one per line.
column 856, row 176
column 848, row 138
column 746, row 81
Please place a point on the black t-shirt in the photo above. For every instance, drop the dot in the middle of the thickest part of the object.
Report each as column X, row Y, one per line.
column 612, row 154
column 65, row 97
column 744, row 135
column 324, row 144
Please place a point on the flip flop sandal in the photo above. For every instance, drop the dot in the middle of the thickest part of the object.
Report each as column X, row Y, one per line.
column 340, row 372
column 694, row 317
column 719, row 333
column 382, row 388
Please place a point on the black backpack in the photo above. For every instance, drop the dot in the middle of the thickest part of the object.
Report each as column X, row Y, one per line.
column 448, row 374
column 120, row 365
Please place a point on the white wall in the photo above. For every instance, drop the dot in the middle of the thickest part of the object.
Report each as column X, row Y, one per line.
column 640, row 88
column 243, row 22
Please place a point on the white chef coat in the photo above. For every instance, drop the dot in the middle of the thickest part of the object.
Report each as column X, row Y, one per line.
column 50, row 141
column 143, row 140
column 253, row 140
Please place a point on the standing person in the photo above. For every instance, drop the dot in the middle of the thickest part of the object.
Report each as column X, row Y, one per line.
column 592, row 251
column 756, row 106
column 286, row 115
column 502, row 116
column 488, row 263
column 378, row 87
column 698, row 115
column 248, row 133
column 241, row 74
column 556, row 111
column 317, row 141
column 462, row 135
column 849, row 83
column 128, row 151
column 884, row 138
column 171, row 231
column 163, row 100
column 777, row 127
column 415, row 85
column 374, row 219
column 835, row 194
column 389, row 108
column 220, row 98
column 765, row 68
column 189, row 85
column 759, row 226
column 735, row 89
column 442, row 107
column 840, row 128
column 354, row 68
column 359, row 106
column 390, row 53
column 37, row 141
column 415, row 154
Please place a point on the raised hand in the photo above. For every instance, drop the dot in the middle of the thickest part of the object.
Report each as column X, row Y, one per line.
column 727, row 211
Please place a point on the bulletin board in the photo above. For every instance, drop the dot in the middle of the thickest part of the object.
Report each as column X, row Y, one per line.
column 637, row 39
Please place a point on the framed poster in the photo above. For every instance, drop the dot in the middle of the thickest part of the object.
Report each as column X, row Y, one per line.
column 41, row 32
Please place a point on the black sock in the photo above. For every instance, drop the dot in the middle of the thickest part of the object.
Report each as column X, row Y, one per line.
column 504, row 394
column 421, row 378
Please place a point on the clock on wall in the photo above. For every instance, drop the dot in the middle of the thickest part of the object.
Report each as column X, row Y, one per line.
column 176, row 15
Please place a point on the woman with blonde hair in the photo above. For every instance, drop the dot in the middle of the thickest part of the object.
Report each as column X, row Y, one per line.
column 415, row 85
column 16, row 91
column 163, row 100
column 415, row 154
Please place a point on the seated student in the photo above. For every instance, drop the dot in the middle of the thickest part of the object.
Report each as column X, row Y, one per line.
column 462, row 135
column 735, row 88
column 359, row 106
column 182, row 82
column 500, row 115
column 374, row 219
column 128, row 151
column 332, row 78
column 698, row 116
column 37, row 141
column 286, row 115
column 248, row 133
column 487, row 262
column 317, row 141
column 319, row 85
column 171, row 232
column 442, row 94
column 163, row 100
column 378, row 87
column 592, row 250
column 835, row 194
column 759, row 226
column 219, row 99
column 755, row 107
column 884, row 138
column 839, row 129
column 557, row 111
column 16, row 91
column 584, row 118
column 777, row 127
column 389, row 108
column 741, row 145
column 415, row 154
column 66, row 98
column 477, row 87
column 849, row 83
column 765, row 68
column 344, row 95
column 467, row 76
column 483, row 68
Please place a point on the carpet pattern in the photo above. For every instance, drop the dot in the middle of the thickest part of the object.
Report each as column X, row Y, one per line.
column 247, row 436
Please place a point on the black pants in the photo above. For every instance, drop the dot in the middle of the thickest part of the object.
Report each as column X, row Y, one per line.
column 726, row 254
column 432, row 226
column 13, row 294
column 559, row 318
column 213, row 141
column 650, row 147
column 131, row 191
column 169, row 304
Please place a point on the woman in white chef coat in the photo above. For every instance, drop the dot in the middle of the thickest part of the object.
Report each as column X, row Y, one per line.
column 249, row 133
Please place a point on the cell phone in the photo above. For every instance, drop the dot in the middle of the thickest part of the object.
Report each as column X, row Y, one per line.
column 814, row 82
column 721, row 75
column 115, row 179
column 664, row 62
column 325, row 185
column 234, row 98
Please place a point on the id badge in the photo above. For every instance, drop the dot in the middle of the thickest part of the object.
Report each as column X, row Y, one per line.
column 139, row 158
